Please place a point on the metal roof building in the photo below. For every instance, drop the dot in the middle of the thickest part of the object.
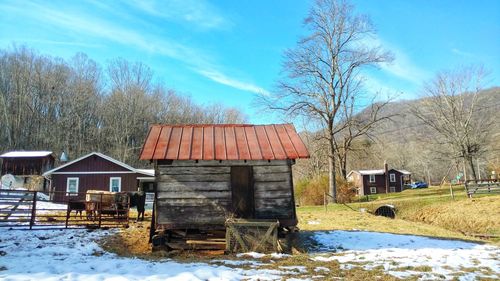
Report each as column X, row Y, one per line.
column 206, row 174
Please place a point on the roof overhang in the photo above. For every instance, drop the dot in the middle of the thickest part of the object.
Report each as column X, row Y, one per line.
column 223, row 142
column 129, row 168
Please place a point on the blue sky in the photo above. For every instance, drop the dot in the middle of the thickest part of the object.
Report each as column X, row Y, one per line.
column 231, row 51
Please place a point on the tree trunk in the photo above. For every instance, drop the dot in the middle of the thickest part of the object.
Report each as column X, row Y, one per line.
column 332, row 184
column 470, row 160
column 343, row 167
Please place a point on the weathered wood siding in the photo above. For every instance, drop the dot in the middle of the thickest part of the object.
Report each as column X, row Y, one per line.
column 197, row 194
column 24, row 166
column 273, row 192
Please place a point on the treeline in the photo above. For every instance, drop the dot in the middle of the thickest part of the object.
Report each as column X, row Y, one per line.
column 79, row 106
column 405, row 142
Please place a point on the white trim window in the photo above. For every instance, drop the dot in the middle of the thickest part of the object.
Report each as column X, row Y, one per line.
column 372, row 178
column 392, row 177
column 115, row 184
column 373, row 189
column 72, row 186
column 392, row 189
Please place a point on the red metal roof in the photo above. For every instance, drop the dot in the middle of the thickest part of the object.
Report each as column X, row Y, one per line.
column 223, row 142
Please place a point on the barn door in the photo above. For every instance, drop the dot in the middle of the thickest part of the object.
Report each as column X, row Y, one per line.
column 242, row 191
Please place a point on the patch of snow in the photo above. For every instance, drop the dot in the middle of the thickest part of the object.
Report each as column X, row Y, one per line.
column 445, row 257
column 321, row 268
column 297, row 268
column 252, row 255
column 74, row 255
column 313, row 222
column 279, row 255
column 238, row 262
column 260, row 255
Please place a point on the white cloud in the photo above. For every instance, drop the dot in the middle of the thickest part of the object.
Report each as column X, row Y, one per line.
column 375, row 86
column 462, row 53
column 91, row 26
column 223, row 79
column 198, row 12
column 402, row 66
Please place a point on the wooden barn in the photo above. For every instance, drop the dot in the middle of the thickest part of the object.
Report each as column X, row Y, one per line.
column 27, row 167
column 206, row 174
column 26, row 163
column 94, row 171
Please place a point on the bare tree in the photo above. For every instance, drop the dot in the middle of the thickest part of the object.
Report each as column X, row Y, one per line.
column 51, row 103
column 322, row 73
column 356, row 126
column 451, row 109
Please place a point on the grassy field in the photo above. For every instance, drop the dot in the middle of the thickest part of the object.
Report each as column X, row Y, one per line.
column 430, row 212
column 427, row 212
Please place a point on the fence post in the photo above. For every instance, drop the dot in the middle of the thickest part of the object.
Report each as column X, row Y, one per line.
column 128, row 210
column 100, row 211
column 33, row 211
column 324, row 201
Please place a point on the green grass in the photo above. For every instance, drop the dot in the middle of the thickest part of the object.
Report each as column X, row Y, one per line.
column 430, row 212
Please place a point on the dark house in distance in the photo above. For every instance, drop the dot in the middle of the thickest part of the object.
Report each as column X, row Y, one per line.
column 26, row 166
column 379, row 181
column 206, row 174
column 26, row 163
column 95, row 171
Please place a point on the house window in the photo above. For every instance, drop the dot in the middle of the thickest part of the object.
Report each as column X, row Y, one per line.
column 393, row 177
column 72, row 187
column 115, row 184
column 392, row 189
column 373, row 189
column 372, row 178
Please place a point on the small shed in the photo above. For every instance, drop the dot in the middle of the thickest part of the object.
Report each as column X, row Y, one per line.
column 206, row 174
column 26, row 163
column 94, row 171
column 27, row 167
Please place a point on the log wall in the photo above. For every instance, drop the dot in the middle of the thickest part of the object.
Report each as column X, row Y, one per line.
column 194, row 194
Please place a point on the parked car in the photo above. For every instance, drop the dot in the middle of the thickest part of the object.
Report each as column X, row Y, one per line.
column 419, row 184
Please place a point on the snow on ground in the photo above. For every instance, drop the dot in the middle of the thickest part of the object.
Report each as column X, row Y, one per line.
column 394, row 252
column 73, row 255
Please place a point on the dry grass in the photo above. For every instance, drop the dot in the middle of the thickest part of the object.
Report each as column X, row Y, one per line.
column 335, row 270
column 343, row 218
column 133, row 242
column 430, row 212
column 477, row 216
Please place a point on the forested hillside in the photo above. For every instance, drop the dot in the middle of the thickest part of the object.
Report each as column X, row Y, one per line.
column 79, row 106
column 405, row 142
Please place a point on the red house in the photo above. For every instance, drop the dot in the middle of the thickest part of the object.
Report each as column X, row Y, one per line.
column 379, row 181
column 94, row 171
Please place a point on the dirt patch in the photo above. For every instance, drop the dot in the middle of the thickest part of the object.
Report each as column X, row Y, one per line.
column 134, row 242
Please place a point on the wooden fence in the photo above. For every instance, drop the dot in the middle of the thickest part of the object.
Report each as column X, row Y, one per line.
column 482, row 186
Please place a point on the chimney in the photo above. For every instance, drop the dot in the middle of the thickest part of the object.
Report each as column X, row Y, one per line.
column 386, row 174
